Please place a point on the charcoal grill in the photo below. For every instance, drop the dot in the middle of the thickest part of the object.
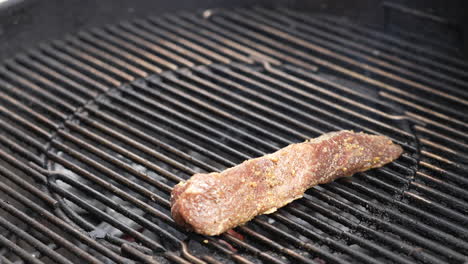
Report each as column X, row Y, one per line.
column 98, row 127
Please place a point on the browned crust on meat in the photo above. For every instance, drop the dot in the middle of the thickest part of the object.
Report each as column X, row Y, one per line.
column 212, row 203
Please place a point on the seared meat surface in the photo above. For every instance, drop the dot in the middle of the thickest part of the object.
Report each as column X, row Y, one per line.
column 213, row 203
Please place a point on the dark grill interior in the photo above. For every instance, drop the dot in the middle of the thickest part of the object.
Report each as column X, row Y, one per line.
column 97, row 129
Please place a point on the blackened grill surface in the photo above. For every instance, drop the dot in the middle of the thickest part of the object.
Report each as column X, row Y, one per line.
column 96, row 129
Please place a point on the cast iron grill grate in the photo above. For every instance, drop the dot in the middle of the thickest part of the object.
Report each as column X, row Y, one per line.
column 96, row 129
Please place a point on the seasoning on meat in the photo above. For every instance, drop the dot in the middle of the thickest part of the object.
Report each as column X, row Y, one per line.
column 213, row 203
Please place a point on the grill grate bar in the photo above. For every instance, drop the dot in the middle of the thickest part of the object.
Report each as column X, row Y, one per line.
column 204, row 83
column 345, row 192
column 236, row 257
column 237, row 20
column 111, row 174
column 140, row 147
column 227, row 45
column 116, row 148
column 179, row 126
column 14, row 132
column 445, row 161
column 173, row 136
column 272, row 27
column 444, row 224
column 273, row 112
column 446, row 174
column 119, row 208
column 449, row 200
column 266, row 78
column 435, row 182
column 18, row 250
column 84, row 47
column 309, row 96
column 135, row 50
column 10, row 144
column 446, row 118
column 210, row 260
column 152, row 140
column 54, row 99
column 211, row 120
column 27, row 186
column 208, row 43
column 422, row 15
column 305, row 76
column 24, row 122
column 326, row 240
column 164, row 34
column 44, row 249
column 189, row 121
column 418, row 254
column 21, row 166
column 189, row 256
column 441, row 223
column 448, row 213
column 454, row 143
column 270, row 243
column 395, row 244
column 5, row 260
column 277, row 53
column 34, row 77
column 91, row 60
column 55, row 77
column 213, row 110
column 146, row 34
column 147, row 45
column 106, row 217
column 252, row 53
column 18, row 93
column 10, row 100
column 121, row 194
column 60, row 240
column 442, row 139
column 91, row 85
column 316, row 27
column 77, row 64
column 403, row 44
column 390, row 185
column 128, row 250
column 411, row 76
column 249, row 248
column 9, row 236
column 109, row 47
column 252, row 34
column 177, row 259
column 449, row 151
column 120, row 242
column 66, row 213
column 389, row 52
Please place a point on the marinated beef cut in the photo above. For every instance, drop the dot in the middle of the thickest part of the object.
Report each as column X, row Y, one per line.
column 213, row 203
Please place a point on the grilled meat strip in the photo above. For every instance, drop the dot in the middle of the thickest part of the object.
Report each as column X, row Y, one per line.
column 213, row 203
